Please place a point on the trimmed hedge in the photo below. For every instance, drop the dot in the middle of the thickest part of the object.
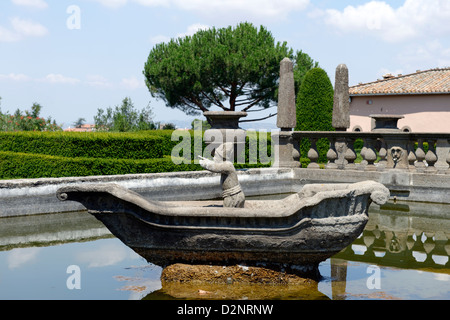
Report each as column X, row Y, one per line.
column 15, row 165
column 26, row 155
column 88, row 145
column 140, row 145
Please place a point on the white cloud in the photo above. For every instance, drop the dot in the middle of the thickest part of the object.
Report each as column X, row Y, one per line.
column 193, row 28
column 28, row 28
column 40, row 4
column 105, row 255
column 22, row 28
column 157, row 39
column 430, row 54
column 132, row 83
column 98, row 81
column 19, row 257
column 15, row 77
column 414, row 18
column 59, row 78
column 93, row 80
column 255, row 8
column 8, row 35
column 114, row 4
column 153, row 3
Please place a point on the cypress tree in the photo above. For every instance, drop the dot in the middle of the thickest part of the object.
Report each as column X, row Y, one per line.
column 315, row 109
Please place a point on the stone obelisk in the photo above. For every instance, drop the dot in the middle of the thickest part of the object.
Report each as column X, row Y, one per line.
column 341, row 112
column 341, row 106
column 286, row 153
column 286, row 117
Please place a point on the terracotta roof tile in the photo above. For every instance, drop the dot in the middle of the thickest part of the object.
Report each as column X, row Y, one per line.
column 421, row 82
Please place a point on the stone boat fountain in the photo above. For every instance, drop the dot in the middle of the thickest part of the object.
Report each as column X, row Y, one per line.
column 293, row 234
column 296, row 233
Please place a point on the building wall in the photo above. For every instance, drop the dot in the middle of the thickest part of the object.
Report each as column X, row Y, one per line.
column 423, row 113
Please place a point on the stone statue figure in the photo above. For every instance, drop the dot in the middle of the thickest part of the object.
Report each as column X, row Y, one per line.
column 232, row 194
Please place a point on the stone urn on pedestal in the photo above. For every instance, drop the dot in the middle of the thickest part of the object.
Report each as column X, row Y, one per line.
column 225, row 128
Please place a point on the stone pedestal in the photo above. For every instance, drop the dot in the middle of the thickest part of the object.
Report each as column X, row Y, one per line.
column 386, row 122
column 442, row 152
column 225, row 128
column 286, row 153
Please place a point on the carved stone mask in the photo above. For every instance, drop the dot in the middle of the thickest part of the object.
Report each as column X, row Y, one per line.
column 396, row 153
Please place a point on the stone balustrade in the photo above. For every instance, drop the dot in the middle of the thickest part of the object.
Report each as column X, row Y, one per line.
column 384, row 148
column 415, row 152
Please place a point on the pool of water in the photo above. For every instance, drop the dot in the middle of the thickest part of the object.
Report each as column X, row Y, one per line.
column 403, row 253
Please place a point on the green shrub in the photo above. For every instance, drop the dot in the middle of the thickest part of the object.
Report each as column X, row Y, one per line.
column 315, row 110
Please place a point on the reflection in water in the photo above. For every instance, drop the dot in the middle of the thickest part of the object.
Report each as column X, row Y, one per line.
column 408, row 243
column 17, row 258
column 404, row 239
column 410, row 240
column 236, row 292
column 50, row 229
column 104, row 255
column 412, row 237
column 339, row 278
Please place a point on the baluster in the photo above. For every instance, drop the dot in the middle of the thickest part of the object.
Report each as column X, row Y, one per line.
column 411, row 156
column 332, row 155
column 448, row 161
column 370, row 155
column 313, row 155
column 431, row 157
column 350, row 154
column 296, row 151
column 429, row 244
column 420, row 155
column 362, row 153
column 383, row 155
column 442, row 148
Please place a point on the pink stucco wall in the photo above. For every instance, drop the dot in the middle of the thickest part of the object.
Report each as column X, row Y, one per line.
column 423, row 113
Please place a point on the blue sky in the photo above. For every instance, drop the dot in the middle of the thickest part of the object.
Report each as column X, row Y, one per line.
column 75, row 56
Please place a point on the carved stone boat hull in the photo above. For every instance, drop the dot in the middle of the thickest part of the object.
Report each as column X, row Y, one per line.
column 295, row 233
